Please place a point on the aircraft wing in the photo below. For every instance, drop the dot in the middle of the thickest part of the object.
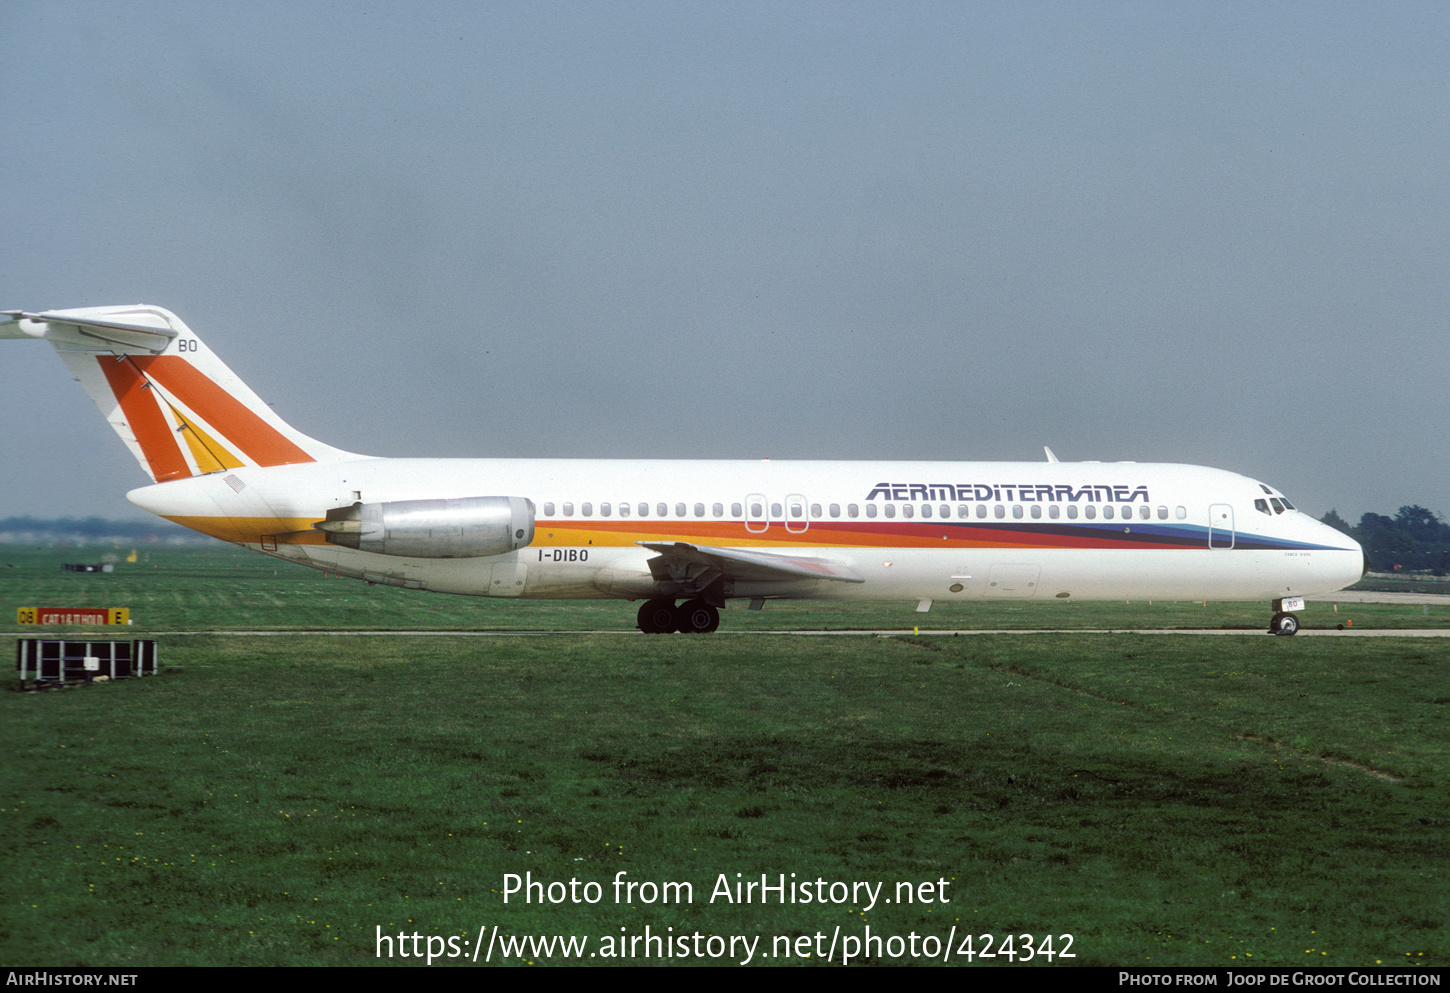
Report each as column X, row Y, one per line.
column 679, row 559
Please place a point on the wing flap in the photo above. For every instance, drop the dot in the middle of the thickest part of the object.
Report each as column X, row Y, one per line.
column 748, row 564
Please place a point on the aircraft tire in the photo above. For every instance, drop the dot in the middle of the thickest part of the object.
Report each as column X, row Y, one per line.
column 657, row 616
column 696, row 617
column 1284, row 624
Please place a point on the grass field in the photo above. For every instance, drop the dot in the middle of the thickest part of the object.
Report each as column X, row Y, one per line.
column 1164, row 800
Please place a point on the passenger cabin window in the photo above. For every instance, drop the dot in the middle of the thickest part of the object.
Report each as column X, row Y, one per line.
column 836, row 510
column 1163, row 513
column 891, row 510
column 1144, row 512
column 851, row 510
column 816, row 510
column 1090, row 512
column 926, row 510
column 568, row 510
column 1181, row 513
column 587, row 509
column 604, row 510
column 1036, row 512
column 945, row 510
column 624, row 510
column 1072, row 511
column 1017, row 511
column 775, row 512
column 907, row 510
column 1107, row 512
column 963, row 510
column 981, row 510
column 718, row 509
column 699, row 510
column 548, row 510
column 644, row 510
column 679, row 510
column 756, row 510
column 1001, row 511
column 870, row 510
column 736, row 510
column 1053, row 511
column 662, row 510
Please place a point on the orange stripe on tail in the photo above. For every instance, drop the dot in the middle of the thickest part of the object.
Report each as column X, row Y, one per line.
column 143, row 413
column 257, row 439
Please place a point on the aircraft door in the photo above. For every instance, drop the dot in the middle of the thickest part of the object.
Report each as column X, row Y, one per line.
column 1220, row 526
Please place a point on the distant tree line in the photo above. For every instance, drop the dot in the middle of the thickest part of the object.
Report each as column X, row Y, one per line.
column 1413, row 539
column 91, row 527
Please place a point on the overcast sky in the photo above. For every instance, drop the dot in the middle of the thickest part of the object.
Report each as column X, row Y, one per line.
column 1213, row 234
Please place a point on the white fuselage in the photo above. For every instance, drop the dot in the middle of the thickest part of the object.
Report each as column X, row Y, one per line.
column 908, row 530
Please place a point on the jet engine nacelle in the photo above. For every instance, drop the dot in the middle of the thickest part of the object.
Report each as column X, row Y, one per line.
column 433, row 529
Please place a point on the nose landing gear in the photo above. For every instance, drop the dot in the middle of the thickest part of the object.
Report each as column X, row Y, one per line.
column 1284, row 622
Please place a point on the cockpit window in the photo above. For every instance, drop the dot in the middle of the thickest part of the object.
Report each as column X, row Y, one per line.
column 1262, row 506
column 1279, row 503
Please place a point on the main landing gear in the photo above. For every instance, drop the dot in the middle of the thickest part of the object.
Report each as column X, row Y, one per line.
column 661, row 616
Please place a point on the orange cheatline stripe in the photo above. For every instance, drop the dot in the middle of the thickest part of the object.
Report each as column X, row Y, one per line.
column 143, row 414
column 257, row 439
column 249, row 530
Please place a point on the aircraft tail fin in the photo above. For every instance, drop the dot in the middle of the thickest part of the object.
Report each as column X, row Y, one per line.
column 177, row 406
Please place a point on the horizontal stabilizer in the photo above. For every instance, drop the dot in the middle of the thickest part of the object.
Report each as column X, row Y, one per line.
column 64, row 329
column 754, row 565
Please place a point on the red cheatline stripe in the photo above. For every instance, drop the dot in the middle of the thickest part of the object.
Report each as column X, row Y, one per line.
column 837, row 534
column 261, row 442
column 143, row 414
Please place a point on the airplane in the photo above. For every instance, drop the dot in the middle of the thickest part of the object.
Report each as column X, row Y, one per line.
column 685, row 537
